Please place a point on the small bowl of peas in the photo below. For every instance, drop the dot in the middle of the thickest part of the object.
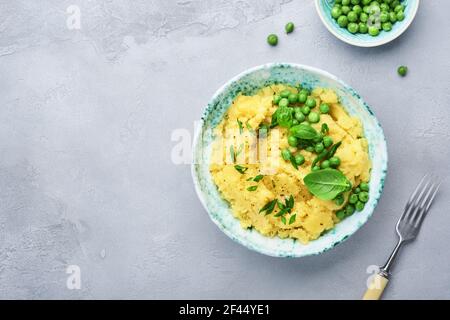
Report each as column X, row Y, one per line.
column 367, row 23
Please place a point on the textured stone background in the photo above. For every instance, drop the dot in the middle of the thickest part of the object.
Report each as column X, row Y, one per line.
column 86, row 176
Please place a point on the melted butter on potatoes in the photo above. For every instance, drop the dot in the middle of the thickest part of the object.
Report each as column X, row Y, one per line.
column 281, row 180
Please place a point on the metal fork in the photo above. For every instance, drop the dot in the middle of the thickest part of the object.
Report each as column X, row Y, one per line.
column 407, row 228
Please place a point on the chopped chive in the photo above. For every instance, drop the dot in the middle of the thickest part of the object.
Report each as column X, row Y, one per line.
column 240, row 169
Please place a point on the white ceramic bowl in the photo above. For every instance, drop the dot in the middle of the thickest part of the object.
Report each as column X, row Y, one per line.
column 248, row 82
column 323, row 8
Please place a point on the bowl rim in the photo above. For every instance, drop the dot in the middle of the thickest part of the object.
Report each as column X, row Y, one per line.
column 357, row 43
column 244, row 242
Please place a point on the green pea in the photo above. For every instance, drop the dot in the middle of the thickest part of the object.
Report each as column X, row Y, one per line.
column 295, row 122
column 357, row 9
column 352, row 27
column 305, row 91
column 292, row 141
column 357, row 190
column 297, row 109
column 362, row 27
column 364, row 186
column 366, row 2
column 319, row 147
column 302, row 97
column 340, row 214
column 306, row 110
column 374, row 31
column 352, row 16
column 272, row 39
column 387, row 26
column 394, row 4
column 402, row 70
column 327, row 141
column 363, row 196
column 353, row 199
column 366, row 9
column 286, row 154
column 342, row 21
column 355, row 2
column 392, row 17
column 319, row 138
column 334, row 162
column 359, row 206
column 313, row 117
column 299, row 116
column 309, row 149
column 349, row 210
column 339, row 200
column 363, row 17
column 284, row 102
column 336, row 12
column 315, row 168
column 293, row 97
column 289, row 27
column 299, row 159
column 384, row 17
column 399, row 8
column 338, row 1
column 310, row 102
column 346, row 10
column 400, row 16
column 384, row 7
column 324, row 108
column 345, row 2
column 285, row 93
column 276, row 98
column 325, row 164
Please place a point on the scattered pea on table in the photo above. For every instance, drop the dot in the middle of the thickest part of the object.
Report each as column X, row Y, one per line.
column 272, row 39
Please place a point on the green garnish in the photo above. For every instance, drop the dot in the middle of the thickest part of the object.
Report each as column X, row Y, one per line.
column 268, row 207
column 283, row 219
column 252, row 188
column 232, row 154
column 326, row 184
column 249, row 127
column 292, row 218
column 240, row 169
column 258, row 178
column 325, row 129
column 241, row 128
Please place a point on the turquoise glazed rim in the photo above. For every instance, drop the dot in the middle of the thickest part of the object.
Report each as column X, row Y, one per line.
column 323, row 8
column 248, row 83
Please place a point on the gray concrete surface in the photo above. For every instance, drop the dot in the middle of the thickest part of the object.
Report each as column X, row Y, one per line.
column 86, row 176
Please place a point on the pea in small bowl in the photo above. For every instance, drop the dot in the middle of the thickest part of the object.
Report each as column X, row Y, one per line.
column 324, row 7
column 248, row 83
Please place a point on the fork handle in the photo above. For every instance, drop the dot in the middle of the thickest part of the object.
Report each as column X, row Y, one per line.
column 376, row 287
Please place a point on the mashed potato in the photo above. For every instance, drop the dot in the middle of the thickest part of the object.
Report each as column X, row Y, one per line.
column 236, row 145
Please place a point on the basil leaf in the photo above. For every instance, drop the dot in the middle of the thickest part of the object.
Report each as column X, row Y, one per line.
column 326, row 184
column 304, row 132
column 283, row 219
